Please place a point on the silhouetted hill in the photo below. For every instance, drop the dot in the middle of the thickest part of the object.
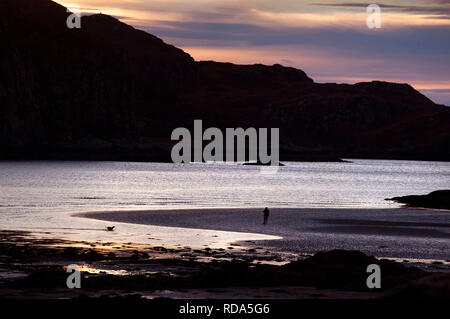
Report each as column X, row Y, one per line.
column 109, row 91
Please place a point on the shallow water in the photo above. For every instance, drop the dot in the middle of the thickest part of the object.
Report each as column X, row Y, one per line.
column 27, row 187
column 41, row 194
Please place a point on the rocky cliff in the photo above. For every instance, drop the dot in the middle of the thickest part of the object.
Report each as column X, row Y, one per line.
column 109, row 91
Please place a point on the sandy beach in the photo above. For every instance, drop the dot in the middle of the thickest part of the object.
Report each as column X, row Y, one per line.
column 403, row 233
column 301, row 253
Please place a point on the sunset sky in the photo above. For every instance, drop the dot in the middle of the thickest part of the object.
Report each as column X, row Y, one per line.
column 328, row 39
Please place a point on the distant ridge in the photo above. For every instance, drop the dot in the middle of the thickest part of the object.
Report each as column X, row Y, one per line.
column 109, row 91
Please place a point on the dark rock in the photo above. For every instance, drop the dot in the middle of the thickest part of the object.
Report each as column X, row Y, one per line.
column 437, row 199
column 347, row 270
column 436, row 287
column 111, row 255
column 93, row 255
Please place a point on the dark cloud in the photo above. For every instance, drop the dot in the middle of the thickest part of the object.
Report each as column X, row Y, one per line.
column 447, row 2
column 443, row 11
column 441, row 96
column 444, row 91
column 410, row 40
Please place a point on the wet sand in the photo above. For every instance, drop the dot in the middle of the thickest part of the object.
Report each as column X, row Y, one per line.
column 419, row 234
column 233, row 255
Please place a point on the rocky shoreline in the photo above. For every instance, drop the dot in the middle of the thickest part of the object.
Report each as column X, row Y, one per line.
column 36, row 268
column 438, row 199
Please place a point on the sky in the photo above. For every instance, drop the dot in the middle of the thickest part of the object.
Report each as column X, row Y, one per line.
column 328, row 39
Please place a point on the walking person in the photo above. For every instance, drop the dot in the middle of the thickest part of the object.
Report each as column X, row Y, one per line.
column 266, row 216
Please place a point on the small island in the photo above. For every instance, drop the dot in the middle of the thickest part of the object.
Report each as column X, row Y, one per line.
column 262, row 164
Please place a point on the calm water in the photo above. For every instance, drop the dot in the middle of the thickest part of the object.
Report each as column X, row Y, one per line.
column 40, row 196
column 29, row 187
column 39, row 192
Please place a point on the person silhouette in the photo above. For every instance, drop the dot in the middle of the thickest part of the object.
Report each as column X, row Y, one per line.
column 266, row 215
